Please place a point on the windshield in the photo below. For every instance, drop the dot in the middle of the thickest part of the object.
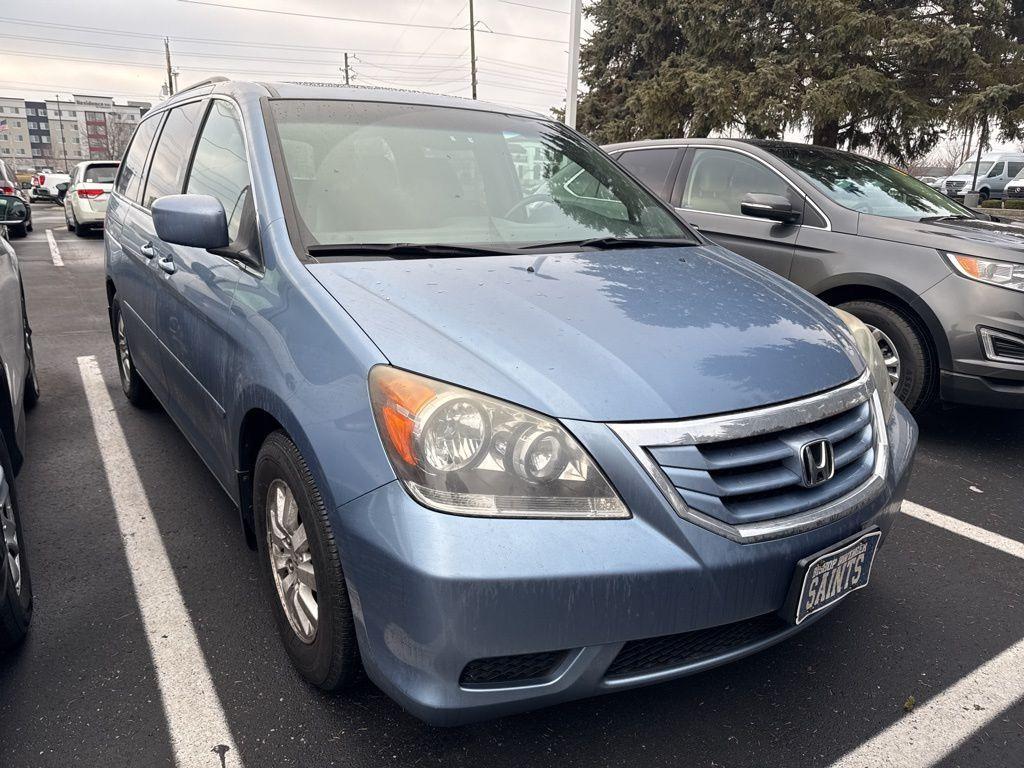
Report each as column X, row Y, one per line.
column 866, row 185
column 967, row 169
column 367, row 172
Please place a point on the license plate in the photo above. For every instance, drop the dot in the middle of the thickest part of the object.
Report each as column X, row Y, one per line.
column 829, row 576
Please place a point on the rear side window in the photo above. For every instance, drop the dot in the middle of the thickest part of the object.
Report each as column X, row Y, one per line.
column 651, row 166
column 167, row 170
column 1015, row 168
column 129, row 181
column 220, row 167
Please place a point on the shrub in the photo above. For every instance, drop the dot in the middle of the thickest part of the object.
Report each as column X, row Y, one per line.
column 993, row 203
column 1013, row 204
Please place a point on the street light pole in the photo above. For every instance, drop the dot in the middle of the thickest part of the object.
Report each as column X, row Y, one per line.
column 60, row 122
column 572, row 87
column 472, row 49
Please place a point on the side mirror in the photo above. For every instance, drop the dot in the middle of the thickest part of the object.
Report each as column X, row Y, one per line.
column 12, row 210
column 197, row 221
column 765, row 206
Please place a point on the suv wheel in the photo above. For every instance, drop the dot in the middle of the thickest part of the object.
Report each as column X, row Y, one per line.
column 18, row 230
column 68, row 221
column 303, row 570
column 908, row 358
column 135, row 389
column 16, row 598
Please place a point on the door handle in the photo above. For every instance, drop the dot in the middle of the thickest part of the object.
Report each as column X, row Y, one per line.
column 147, row 250
column 167, row 265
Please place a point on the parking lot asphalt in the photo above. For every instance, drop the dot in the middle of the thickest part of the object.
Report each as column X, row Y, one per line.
column 895, row 676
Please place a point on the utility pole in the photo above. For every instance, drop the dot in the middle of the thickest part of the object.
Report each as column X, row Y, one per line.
column 167, row 56
column 346, row 67
column 575, row 14
column 63, row 146
column 472, row 49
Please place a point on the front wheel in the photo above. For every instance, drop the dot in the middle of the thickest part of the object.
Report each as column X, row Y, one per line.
column 909, row 360
column 16, row 598
column 299, row 557
column 18, row 230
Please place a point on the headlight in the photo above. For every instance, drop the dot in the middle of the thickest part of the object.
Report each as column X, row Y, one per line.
column 868, row 347
column 1001, row 273
column 465, row 453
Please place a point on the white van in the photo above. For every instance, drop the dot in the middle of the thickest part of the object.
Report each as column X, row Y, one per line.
column 995, row 170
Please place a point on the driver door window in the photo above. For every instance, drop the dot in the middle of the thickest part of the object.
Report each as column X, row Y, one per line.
column 719, row 179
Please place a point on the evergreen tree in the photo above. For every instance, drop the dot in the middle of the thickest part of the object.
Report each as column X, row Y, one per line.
column 884, row 74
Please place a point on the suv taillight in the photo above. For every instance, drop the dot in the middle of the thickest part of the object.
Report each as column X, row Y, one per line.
column 42, row 180
column 6, row 190
column 89, row 192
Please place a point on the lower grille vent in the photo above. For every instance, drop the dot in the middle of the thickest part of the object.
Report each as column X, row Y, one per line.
column 656, row 653
column 505, row 670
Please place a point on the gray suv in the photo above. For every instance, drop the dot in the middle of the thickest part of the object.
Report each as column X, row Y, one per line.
column 940, row 286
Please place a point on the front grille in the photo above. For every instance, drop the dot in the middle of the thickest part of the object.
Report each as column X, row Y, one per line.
column 505, row 670
column 658, row 653
column 753, row 479
column 953, row 185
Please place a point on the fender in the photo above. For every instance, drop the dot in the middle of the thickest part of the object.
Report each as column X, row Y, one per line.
column 853, row 281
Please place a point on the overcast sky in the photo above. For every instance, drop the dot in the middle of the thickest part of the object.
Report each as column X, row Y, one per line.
column 71, row 47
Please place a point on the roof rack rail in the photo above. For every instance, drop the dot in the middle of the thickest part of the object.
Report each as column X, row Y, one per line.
column 207, row 81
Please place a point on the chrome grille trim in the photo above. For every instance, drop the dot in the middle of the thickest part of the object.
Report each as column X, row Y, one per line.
column 640, row 437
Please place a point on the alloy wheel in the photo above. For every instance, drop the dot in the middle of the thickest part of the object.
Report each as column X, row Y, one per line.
column 890, row 356
column 9, row 527
column 291, row 561
column 123, row 355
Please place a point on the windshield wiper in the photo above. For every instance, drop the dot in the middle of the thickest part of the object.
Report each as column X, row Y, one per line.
column 398, row 250
column 947, row 217
column 607, row 243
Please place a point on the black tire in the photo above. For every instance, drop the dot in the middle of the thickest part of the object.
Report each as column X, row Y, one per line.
column 31, row 377
column 78, row 228
column 331, row 660
column 134, row 388
column 68, row 222
column 918, row 367
column 29, row 226
column 18, row 230
column 15, row 605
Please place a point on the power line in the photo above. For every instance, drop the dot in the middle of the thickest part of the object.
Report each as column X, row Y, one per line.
column 352, row 20
column 535, row 7
column 213, row 41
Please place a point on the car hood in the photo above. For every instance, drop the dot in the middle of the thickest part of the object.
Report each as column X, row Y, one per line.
column 974, row 237
column 618, row 335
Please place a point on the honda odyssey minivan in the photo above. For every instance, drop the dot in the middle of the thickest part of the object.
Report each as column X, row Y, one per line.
column 499, row 442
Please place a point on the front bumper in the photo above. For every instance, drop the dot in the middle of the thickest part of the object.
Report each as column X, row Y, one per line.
column 433, row 592
column 963, row 306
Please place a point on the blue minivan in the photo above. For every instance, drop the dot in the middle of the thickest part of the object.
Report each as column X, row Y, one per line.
column 503, row 429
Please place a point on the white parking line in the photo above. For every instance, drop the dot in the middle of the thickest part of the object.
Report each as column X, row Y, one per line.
column 54, row 250
column 968, row 531
column 936, row 728
column 195, row 718
column 944, row 722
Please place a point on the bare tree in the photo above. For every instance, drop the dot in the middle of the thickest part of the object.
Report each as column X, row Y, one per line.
column 119, row 131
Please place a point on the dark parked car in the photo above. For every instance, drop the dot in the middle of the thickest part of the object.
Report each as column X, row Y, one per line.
column 9, row 186
column 504, row 445
column 19, row 390
column 941, row 287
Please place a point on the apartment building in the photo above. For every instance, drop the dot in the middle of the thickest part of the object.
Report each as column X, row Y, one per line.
column 15, row 147
column 58, row 133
